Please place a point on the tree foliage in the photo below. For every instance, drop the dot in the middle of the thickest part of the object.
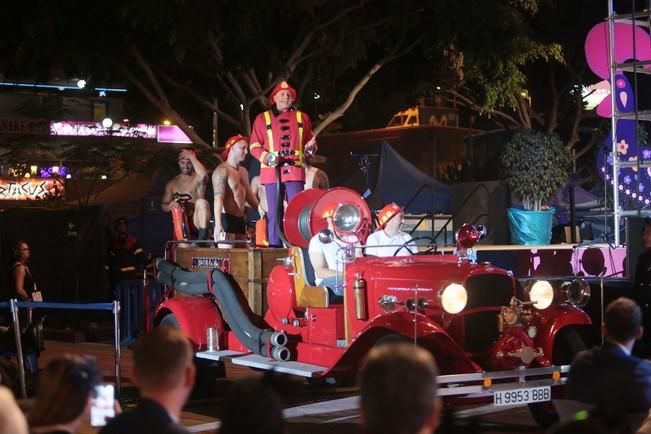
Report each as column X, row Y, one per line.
column 190, row 58
column 534, row 78
column 535, row 166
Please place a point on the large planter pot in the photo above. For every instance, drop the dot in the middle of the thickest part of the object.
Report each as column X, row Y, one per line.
column 530, row 228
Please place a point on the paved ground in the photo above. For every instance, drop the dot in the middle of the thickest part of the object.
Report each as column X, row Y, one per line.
column 313, row 410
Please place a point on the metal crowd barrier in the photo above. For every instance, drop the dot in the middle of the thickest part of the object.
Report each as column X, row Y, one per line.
column 14, row 305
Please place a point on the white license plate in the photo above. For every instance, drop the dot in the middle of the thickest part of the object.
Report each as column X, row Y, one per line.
column 522, row 396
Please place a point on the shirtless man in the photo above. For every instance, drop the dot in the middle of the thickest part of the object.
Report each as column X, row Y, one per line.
column 230, row 182
column 315, row 177
column 189, row 188
column 258, row 190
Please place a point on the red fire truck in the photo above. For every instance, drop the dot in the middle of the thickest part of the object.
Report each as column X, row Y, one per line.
column 489, row 334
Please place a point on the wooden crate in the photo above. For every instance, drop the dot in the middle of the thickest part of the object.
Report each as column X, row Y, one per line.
column 250, row 267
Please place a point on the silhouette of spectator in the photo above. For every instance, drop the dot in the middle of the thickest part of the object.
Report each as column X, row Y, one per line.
column 594, row 422
column 63, row 396
column 609, row 376
column 164, row 372
column 257, row 396
column 398, row 390
column 24, row 284
column 126, row 257
column 642, row 289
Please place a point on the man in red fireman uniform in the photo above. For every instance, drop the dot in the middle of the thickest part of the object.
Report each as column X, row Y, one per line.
column 281, row 136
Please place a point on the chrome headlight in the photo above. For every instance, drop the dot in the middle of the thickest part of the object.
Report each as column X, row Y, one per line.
column 540, row 293
column 347, row 218
column 454, row 298
column 576, row 292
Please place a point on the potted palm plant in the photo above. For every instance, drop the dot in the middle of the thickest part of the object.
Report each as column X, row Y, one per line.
column 535, row 167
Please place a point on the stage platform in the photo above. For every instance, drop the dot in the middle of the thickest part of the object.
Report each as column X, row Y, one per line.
column 561, row 260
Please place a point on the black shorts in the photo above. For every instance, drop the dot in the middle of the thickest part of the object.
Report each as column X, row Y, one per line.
column 232, row 224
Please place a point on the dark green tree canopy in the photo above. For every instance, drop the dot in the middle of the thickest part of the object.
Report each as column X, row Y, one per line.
column 189, row 58
column 535, row 166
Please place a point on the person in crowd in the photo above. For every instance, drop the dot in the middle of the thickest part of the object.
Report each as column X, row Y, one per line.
column 165, row 373
column 230, row 182
column 609, row 376
column 642, row 290
column 281, row 137
column 188, row 190
column 24, row 284
column 389, row 236
column 398, row 390
column 126, row 257
column 12, row 420
column 259, row 396
column 315, row 177
column 63, row 396
column 25, row 288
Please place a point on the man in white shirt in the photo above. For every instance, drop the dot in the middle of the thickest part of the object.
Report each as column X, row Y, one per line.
column 389, row 234
column 328, row 254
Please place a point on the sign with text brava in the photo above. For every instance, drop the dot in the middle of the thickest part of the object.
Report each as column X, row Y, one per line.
column 29, row 189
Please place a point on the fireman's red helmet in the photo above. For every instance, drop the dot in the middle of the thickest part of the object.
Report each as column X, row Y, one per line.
column 283, row 85
column 387, row 212
column 230, row 142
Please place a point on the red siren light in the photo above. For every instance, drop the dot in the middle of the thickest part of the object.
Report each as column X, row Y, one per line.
column 468, row 235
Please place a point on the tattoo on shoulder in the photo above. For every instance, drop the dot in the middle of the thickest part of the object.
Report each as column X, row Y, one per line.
column 219, row 180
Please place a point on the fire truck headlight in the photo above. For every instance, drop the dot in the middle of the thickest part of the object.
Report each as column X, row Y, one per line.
column 453, row 298
column 576, row 292
column 347, row 218
column 541, row 293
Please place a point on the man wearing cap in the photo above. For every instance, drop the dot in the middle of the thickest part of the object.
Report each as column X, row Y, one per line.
column 188, row 189
column 230, row 182
column 389, row 236
column 280, row 137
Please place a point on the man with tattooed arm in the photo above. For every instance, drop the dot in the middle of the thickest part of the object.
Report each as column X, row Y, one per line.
column 230, row 183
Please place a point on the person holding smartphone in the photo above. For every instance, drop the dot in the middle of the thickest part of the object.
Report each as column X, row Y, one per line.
column 64, row 395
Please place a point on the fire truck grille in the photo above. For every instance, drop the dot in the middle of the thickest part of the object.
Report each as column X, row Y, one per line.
column 485, row 291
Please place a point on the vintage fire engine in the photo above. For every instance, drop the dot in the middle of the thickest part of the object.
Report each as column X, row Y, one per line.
column 476, row 319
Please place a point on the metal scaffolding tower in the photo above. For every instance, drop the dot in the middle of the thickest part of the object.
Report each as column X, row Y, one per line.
column 642, row 19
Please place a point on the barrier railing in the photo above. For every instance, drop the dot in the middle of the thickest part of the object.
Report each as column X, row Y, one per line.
column 14, row 305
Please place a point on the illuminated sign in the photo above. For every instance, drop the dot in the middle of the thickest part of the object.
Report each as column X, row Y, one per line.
column 172, row 134
column 85, row 129
column 23, row 126
column 161, row 133
column 30, row 189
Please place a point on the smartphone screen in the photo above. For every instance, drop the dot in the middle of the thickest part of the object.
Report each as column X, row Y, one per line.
column 102, row 406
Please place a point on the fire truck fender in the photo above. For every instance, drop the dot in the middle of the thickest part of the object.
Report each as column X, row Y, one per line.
column 400, row 326
column 558, row 317
column 192, row 315
column 406, row 324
